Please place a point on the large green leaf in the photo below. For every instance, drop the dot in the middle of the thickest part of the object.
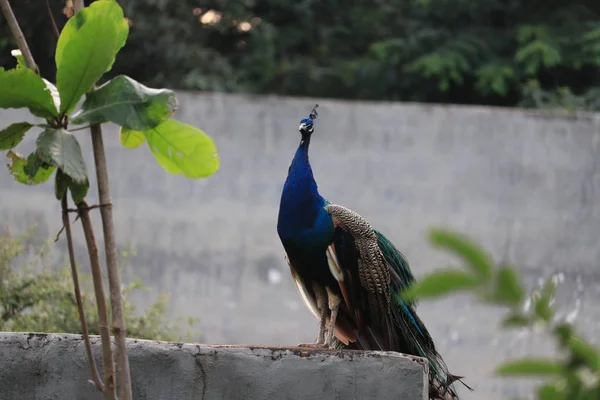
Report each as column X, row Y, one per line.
column 183, row 149
column 127, row 103
column 87, row 48
column 530, row 367
column 29, row 171
column 10, row 137
column 440, row 283
column 23, row 88
column 58, row 147
column 131, row 138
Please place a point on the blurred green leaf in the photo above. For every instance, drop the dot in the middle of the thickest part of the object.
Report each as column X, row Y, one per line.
column 127, row 103
column 59, row 147
column 23, row 88
column 550, row 392
column 440, row 283
column 64, row 182
column 515, row 320
column 61, row 184
column 508, row 288
column 87, row 48
column 530, row 367
column 29, row 171
column 130, row 138
column 542, row 303
column 585, row 352
column 183, row 149
column 477, row 260
column 11, row 136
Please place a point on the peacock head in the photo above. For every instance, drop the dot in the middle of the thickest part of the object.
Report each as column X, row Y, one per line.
column 307, row 124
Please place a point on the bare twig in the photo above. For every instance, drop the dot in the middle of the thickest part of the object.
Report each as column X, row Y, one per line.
column 15, row 29
column 52, row 21
column 80, row 128
column 110, row 248
column 107, row 357
column 84, row 328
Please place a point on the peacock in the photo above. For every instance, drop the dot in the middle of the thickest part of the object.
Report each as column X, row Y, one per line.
column 350, row 275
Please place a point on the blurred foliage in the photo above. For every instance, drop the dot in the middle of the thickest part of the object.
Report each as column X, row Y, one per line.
column 574, row 375
column 529, row 53
column 34, row 297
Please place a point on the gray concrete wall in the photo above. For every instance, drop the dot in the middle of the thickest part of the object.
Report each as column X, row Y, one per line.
column 54, row 367
column 525, row 184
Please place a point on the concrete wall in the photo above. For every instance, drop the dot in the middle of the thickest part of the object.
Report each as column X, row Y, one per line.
column 525, row 184
column 40, row 366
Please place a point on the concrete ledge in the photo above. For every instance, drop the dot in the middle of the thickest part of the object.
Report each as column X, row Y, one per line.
column 54, row 366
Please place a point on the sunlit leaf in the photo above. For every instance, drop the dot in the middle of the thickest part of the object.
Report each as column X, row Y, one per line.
column 440, row 283
column 130, row 138
column 23, row 88
column 30, row 170
column 127, row 103
column 10, row 137
column 59, row 147
column 183, row 149
column 475, row 257
column 87, row 48
column 530, row 367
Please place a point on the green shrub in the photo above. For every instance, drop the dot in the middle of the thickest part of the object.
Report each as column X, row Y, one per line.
column 37, row 297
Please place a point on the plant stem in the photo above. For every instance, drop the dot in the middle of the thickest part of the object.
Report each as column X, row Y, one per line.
column 107, row 357
column 84, row 328
column 15, row 29
column 110, row 249
column 52, row 21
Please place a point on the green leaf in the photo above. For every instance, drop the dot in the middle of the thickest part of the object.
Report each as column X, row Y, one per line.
column 516, row 320
column 183, row 149
column 23, row 88
column 530, row 367
column 20, row 169
column 87, row 48
column 550, row 392
column 542, row 304
column 440, row 283
column 79, row 190
column 127, row 103
column 509, row 290
column 61, row 184
column 130, row 138
column 477, row 260
column 64, row 182
column 10, row 137
column 584, row 352
column 58, row 147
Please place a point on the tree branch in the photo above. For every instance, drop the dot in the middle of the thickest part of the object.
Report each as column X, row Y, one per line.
column 107, row 357
column 15, row 29
column 52, row 21
column 110, row 248
column 84, row 328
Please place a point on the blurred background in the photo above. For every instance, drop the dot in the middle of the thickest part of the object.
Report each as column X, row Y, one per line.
column 409, row 135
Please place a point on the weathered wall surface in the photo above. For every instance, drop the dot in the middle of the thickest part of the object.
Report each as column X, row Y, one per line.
column 525, row 184
column 49, row 367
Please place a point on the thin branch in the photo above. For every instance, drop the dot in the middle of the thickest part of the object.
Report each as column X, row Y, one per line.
column 15, row 29
column 110, row 248
column 52, row 21
column 84, row 328
column 80, row 128
column 107, row 357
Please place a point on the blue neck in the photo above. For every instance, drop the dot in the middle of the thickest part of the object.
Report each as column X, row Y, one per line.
column 301, row 202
